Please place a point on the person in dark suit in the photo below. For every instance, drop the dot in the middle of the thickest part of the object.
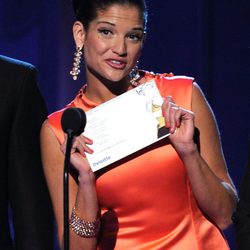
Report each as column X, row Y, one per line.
column 241, row 217
column 23, row 189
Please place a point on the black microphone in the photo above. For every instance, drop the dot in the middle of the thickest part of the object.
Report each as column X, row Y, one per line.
column 73, row 122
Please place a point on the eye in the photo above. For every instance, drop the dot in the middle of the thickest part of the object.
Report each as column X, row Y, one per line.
column 105, row 32
column 135, row 37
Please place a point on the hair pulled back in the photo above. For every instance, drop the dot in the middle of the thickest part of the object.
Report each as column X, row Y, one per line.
column 86, row 10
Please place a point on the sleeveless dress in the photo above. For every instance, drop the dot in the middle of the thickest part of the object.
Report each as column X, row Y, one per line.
column 146, row 199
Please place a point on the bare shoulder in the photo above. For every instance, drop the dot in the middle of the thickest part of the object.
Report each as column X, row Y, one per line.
column 199, row 100
column 50, row 146
column 45, row 128
column 204, row 115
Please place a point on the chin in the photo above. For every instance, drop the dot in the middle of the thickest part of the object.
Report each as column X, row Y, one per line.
column 115, row 78
column 109, row 75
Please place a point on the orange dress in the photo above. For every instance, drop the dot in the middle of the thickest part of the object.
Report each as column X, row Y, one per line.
column 146, row 199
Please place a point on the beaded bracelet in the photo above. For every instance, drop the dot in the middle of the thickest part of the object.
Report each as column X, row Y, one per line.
column 83, row 228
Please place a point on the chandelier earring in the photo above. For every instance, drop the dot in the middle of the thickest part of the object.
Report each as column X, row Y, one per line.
column 76, row 64
column 134, row 75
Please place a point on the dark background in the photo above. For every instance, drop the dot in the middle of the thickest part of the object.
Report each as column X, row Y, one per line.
column 209, row 40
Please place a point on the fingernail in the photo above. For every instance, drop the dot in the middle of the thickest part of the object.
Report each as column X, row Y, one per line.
column 90, row 141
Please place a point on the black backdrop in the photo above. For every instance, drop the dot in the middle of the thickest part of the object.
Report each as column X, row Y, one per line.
column 207, row 39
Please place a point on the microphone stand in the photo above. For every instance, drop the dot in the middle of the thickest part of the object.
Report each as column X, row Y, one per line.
column 73, row 122
column 66, row 188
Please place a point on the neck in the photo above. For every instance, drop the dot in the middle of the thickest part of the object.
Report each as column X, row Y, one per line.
column 100, row 91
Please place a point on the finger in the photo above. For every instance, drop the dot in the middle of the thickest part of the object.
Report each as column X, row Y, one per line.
column 166, row 104
column 186, row 114
column 173, row 117
column 165, row 110
column 77, row 146
column 177, row 116
column 88, row 141
column 80, row 145
column 85, row 139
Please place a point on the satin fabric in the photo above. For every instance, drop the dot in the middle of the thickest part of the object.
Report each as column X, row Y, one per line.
column 146, row 199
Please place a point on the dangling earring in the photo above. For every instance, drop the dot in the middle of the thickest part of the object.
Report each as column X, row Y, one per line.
column 134, row 75
column 77, row 61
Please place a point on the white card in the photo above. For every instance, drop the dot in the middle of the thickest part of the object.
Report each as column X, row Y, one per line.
column 125, row 124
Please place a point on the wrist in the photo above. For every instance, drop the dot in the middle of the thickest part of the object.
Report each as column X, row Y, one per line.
column 186, row 149
column 86, row 178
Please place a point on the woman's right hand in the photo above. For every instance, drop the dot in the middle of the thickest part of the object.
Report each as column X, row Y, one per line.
column 78, row 153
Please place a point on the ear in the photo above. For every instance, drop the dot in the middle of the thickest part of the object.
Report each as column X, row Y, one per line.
column 79, row 34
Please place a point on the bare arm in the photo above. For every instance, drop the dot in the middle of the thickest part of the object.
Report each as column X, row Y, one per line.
column 82, row 193
column 207, row 171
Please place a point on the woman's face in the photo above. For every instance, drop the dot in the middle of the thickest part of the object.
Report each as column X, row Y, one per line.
column 113, row 43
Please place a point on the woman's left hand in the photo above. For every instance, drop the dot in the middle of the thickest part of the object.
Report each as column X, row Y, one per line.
column 180, row 123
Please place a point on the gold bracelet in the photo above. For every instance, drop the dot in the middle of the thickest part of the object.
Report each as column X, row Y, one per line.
column 83, row 228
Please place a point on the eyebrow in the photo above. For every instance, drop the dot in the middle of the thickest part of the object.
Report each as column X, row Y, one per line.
column 106, row 22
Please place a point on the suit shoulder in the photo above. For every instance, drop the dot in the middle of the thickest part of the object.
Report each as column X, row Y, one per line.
column 8, row 64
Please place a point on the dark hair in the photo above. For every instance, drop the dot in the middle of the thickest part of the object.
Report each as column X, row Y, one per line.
column 86, row 10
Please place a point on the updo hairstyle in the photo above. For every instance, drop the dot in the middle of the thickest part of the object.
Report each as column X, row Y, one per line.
column 86, row 10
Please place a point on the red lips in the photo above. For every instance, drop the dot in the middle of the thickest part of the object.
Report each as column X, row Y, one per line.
column 116, row 64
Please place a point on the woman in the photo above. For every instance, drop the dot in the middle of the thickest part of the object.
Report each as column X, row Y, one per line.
column 170, row 195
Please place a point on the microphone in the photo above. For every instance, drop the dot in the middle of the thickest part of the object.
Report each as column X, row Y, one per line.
column 73, row 122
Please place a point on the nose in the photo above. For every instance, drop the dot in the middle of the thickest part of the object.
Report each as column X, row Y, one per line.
column 119, row 46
